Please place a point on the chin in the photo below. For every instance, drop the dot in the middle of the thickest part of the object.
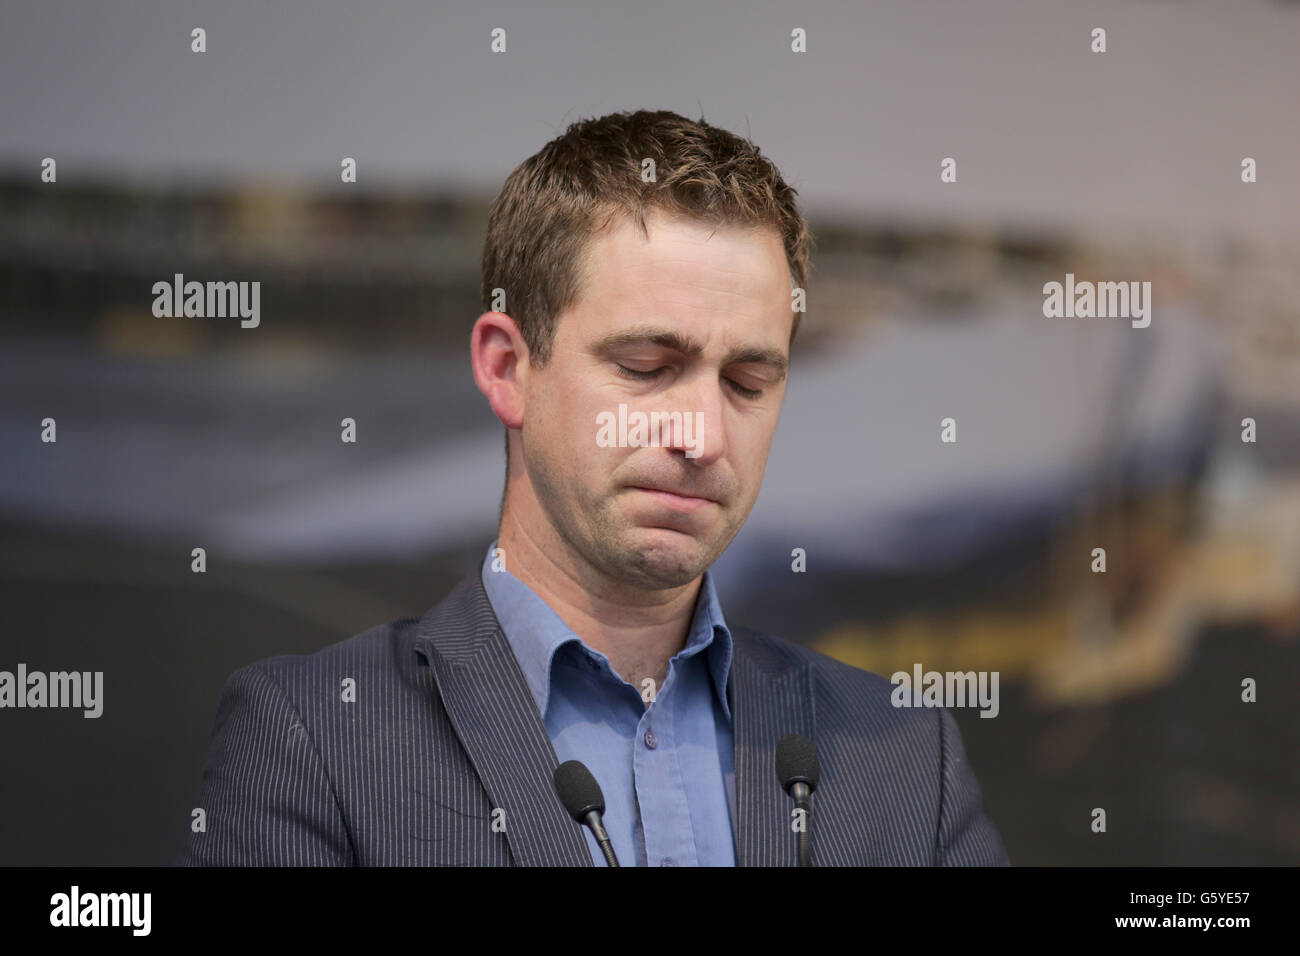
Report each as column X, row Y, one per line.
column 661, row 557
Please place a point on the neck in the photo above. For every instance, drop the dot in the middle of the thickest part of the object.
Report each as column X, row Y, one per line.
column 638, row 630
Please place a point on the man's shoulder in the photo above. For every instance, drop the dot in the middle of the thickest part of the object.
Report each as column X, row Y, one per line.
column 373, row 661
column 860, row 716
column 772, row 653
column 769, row 650
column 384, row 648
column 375, row 645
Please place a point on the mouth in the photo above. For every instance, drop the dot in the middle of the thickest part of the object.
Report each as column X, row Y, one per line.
column 673, row 499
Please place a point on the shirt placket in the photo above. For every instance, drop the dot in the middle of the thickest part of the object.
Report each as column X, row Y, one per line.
column 660, row 787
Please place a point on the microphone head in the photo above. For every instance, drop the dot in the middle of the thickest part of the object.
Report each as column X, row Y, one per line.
column 796, row 762
column 578, row 790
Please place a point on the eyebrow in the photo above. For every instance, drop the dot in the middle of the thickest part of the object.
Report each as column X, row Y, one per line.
column 669, row 339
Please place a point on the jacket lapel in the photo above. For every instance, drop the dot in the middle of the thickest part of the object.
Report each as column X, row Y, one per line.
column 489, row 704
column 771, row 695
column 493, row 712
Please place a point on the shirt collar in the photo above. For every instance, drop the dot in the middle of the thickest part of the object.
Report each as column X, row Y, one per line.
column 535, row 632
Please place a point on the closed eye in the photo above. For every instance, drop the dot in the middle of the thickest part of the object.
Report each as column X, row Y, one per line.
column 637, row 373
column 645, row 376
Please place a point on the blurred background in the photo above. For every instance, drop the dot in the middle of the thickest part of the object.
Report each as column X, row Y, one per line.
column 1119, row 690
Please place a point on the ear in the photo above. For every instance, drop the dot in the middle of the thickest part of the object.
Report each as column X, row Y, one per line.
column 499, row 357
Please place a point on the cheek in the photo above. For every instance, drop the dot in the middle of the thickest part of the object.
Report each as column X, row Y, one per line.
column 564, row 423
column 554, row 418
column 581, row 416
column 751, row 443
column 751, row 438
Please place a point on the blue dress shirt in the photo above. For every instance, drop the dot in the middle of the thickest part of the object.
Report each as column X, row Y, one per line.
column 667, row 770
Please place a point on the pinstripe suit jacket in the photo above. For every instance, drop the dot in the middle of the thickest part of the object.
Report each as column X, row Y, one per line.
column 443, row 758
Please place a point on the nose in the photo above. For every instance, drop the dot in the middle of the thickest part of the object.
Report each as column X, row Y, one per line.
column 697, row 433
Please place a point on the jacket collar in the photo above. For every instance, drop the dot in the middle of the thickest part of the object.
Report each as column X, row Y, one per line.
column 487, row 699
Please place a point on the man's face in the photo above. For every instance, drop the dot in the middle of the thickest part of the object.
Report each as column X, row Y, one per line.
column 697, row 321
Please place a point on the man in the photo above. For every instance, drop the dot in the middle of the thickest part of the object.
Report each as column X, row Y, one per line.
column 639, row 273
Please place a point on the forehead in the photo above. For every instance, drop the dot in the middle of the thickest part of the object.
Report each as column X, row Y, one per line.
column 722, row 281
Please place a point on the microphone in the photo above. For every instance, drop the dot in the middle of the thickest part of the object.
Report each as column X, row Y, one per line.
column 797, row 769
column 581, row 796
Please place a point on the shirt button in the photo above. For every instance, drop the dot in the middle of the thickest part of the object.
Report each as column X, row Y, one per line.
column 666, row 861
column 651, row 740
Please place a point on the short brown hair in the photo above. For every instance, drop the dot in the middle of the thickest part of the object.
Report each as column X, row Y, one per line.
column 571, row 189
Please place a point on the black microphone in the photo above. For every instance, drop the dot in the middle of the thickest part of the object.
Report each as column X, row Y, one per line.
column 581, row 796
column 797, row 769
